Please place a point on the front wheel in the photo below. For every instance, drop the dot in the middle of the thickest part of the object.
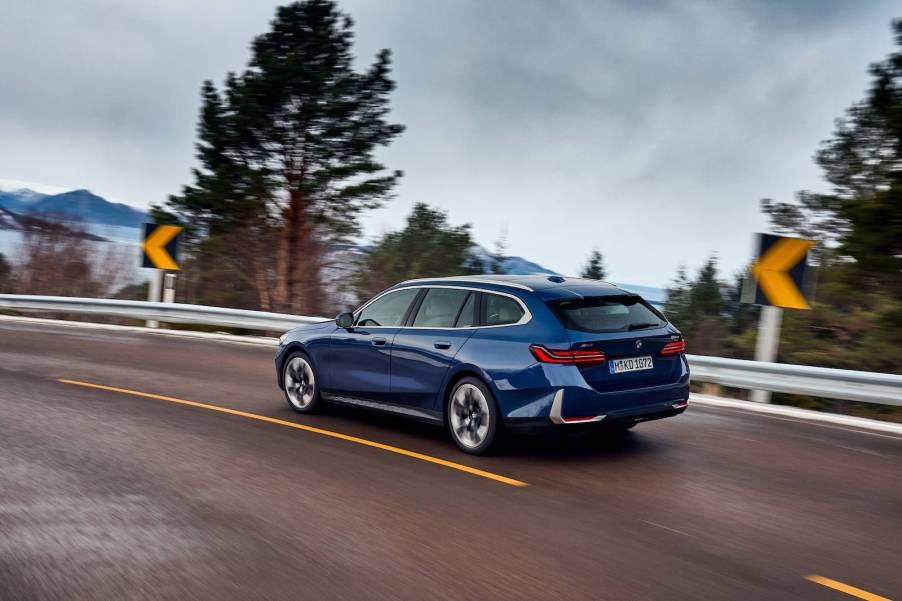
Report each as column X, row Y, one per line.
column 301, row 386
column 473, row 417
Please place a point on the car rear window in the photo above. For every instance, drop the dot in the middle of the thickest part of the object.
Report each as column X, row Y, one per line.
column 607, row 314
column 501, row 310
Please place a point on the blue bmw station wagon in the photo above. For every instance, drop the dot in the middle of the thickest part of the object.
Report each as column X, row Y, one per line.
column 488, row 355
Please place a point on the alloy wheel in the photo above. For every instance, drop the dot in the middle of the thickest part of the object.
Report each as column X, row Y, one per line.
column 469, row 415
column 300, row 383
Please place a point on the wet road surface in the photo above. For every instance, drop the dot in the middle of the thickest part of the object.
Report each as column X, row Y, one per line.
column 111, row 495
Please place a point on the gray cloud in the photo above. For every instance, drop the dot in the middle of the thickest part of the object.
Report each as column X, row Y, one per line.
column 646, row 129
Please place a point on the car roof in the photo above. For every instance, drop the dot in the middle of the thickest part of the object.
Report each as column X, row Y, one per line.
column 545, row 286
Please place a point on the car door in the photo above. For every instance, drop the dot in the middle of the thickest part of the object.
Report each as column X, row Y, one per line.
column 422, row 352
column 361, row 355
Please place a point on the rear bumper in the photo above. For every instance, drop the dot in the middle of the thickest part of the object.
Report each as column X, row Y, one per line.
column 566, row 402
column 621, row 417
column 624, row 418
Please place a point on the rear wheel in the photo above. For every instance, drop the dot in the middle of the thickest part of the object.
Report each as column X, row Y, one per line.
column 301, row 386
column 473, row 417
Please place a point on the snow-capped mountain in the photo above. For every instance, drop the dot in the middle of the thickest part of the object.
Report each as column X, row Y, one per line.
column 510, row 265
column 13, row 185
column 73, row 205
column 19, row 200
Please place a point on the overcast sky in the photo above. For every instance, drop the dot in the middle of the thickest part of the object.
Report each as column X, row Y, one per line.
column 648, row 130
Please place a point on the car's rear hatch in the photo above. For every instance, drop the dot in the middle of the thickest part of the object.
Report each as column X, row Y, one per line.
column 630, row 333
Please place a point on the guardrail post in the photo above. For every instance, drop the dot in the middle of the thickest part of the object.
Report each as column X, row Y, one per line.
column 768, row 343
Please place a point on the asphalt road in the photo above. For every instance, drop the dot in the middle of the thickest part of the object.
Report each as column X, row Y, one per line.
column 111, row 495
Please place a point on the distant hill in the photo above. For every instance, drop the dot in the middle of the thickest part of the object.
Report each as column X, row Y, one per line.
column 521, row 266
column 82, row 205
column 18, row 200
column 510, row 265
column 75, row 205
column 32, row 223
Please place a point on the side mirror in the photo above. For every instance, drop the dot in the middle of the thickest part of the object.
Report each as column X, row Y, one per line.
column 345, row 320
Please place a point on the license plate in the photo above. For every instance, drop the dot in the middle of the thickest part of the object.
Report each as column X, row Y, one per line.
column 619, row 366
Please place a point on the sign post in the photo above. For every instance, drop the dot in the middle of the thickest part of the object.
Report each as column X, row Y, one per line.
column 169, row 288
column 159, row 251
column 779, row 280
column 153, row 294
column 767, row 344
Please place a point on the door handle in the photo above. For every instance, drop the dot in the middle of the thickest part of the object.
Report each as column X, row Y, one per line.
column 441, row 344
column 379, row 341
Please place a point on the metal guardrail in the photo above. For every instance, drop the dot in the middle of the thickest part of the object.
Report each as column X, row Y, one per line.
column 826, row 382
column 165, row 312
column 884, row 389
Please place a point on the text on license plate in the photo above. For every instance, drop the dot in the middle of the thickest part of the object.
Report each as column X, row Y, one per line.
column 619, row 366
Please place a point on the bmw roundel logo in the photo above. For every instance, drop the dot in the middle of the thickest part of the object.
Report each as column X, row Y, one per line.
column 638, row 344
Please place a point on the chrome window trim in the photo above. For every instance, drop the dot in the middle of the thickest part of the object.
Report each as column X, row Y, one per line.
column 527, row 315
column 474, row 280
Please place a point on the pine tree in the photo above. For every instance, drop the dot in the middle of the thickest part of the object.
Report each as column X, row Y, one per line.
column 862, row 216
column 677, row 304
column 697, row 308
column 858, row 306
column 594, row 268
column 499, row 254
column 705, row 295
column 428, row 246
column 287, row 149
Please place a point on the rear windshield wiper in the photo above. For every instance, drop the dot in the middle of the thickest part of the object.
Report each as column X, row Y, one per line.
column 642, row 326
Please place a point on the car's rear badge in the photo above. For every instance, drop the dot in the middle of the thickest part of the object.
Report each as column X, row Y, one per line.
column 638, row 344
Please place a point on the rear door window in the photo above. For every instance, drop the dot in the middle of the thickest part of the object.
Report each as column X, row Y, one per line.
column 607, row 314
column 501, row 310
column 440, row 308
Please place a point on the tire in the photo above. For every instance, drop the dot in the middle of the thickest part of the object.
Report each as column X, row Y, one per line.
column 473, row 418
column 301, row 384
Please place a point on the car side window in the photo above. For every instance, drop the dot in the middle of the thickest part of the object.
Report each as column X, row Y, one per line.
column 440, row 307
column 501, row 310
column 469, row 314
column 387, row 310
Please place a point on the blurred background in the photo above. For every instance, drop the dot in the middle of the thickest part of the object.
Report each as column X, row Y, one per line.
column 639, row 143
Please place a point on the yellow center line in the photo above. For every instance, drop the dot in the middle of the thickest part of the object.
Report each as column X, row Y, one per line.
column 281, row 422
column 845, row 588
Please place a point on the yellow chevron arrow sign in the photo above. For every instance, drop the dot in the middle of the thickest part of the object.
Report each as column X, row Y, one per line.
column 160, row 246
column 771, row 272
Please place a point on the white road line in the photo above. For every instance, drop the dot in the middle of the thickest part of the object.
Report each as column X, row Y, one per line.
column 657, row 525
column 843, row 422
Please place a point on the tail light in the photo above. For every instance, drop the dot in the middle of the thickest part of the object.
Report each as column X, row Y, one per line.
column 674, row 348
column 547, row 355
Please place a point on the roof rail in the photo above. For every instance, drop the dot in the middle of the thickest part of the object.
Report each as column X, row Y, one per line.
column 471, row 279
